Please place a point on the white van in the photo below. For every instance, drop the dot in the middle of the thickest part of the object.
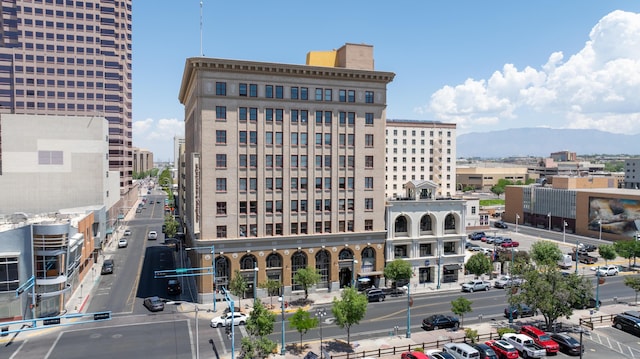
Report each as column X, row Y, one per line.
column 461, row 351
column 565, row 262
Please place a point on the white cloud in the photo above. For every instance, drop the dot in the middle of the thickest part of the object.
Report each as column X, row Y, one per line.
column 157, row 136
column 595, row 88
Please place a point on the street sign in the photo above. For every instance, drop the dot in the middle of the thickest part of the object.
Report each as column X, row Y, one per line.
column 181, row 270
column 102, row 316
column 51, row 321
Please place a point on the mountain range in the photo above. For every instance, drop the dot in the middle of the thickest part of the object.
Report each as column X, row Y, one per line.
column 541, row 142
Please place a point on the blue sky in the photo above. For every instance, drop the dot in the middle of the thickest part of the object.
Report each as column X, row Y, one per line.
column 484, row 65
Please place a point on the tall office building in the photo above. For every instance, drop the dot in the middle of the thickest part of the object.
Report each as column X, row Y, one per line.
column 284, row 168
column 420, row 151
column 70, row 58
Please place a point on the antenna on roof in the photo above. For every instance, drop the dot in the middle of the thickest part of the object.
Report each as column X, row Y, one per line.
column 201, row 54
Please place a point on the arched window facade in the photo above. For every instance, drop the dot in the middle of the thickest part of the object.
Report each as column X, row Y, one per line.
column 425, row 224
column 368, row 259
column 274, row 271
column 345, row 254
column 323, row 265
column 401, row 225
column 298, row 260
column 449, row 222
column 247, row 264
column 274, row 260
column 223, row 272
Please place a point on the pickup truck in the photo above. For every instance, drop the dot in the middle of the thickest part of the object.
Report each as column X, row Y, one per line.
column 584, row 257
column 508, row 242
column 525, row 345
column 475, row 285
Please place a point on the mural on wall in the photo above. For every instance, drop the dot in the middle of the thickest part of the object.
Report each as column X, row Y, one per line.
column 618, row 216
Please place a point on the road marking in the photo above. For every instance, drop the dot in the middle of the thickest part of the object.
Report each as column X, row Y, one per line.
column 18, row 350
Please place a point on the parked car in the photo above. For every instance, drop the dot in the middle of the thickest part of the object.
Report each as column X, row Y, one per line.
column 525, row 345
column 498, row 240
column 607, row 270
column 500, row 224
column 587, row 247
column 375, row 295
column 127, row 232
column 122, row 243
column 107, row 267
column 628, row 323
column 414, row 355
column 461, row 350
column 173, row 287
column 154, row 304
column 152, row 235
column 521, row 310
column 474, row 247
column 437, row 354
column 586, row 303
column 477, row 236
column 506, row 281
column 476, row 285
column 485, row 351
column 540, row 337
column 568, row 344
column 439, row 321
column 503, row 349
column 226, row 319
column 508, row 243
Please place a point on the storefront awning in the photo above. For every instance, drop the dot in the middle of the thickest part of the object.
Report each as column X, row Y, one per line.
column 452, row 267
column 109, row 231
column 366, row 274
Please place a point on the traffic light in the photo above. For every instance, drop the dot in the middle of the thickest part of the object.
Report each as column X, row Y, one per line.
column 38, row 298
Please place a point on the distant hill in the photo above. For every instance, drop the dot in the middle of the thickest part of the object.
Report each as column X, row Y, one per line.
column 540, row 142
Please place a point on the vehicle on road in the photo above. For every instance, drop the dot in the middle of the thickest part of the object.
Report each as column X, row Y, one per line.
column 152, row 235
column 173, row 287
column 543, row 339
column 107, row 267
column 439, row 321
column 508, row 243
column 414, row 355
column 587, row 247
column 476, row 285
column 584, row 257
column 506, row 281
column 525, row 345
column 461, row 350
column 226, row 319
column 628, row 323
column 485, row 351
column 122, row 243
column 568, row 344
column 503, row 349
column 500, row 224
column 139, row 210
column 376, row 295
column 565, row 262
column 521, row 310
column 154, row 304
column 607, row 270
column 127, row 232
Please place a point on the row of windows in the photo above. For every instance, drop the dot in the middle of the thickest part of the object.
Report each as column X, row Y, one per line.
column 422, row 133
column 413, row 160
column 271, row 138
column 67, row 106
column 295, row 93
column 251, row 207
column 413, row 142
column 277, row 229
column 295, row 115
column 296, row 183
column 296, row 161
column 426, row 249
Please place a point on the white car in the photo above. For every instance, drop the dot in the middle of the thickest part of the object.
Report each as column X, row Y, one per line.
column 123, row 243
column 225, row 319
column 153, row 235
column 127, row 232
column 607, row 270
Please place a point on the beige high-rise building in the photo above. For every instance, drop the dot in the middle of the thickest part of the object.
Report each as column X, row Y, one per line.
column 420, row 151
column 284, row 168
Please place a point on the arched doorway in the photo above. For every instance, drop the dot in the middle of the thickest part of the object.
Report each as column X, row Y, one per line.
column 345, row 263
column 323, row 266
column 248, row 264
column 274, row 271
column 223, row 273
column 298, row 260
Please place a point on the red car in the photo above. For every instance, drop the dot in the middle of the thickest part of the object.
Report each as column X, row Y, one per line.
column 414, row 355
column 503, row 349
column 508, row 242
column 541, row 338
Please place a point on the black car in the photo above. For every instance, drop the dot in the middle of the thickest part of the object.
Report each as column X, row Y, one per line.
column 630, row 323
column 521, row 310
column 107, row 267
column 586, row 303
column 173, row 287
column 375, row 295
column 439, row 321
column 568, row 344
column 485, row 351
column 500, row 224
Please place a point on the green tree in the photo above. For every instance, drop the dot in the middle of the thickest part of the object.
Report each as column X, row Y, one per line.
column 238, row 286
column 460, row 306
column 171, row 226
column 259, row 327
column 302, row 321
column 546, row 254
column 349, row 309
column 478, row 264
column 633, row 283
column 626, row 249
column 306, row 277
column 398, row 269
column 607, row 252
column 471, row 334
column 497, row 190
column 273, row 287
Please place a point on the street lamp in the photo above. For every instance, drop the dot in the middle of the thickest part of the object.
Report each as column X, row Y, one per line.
column 549, row 215
column 512, row 285
column 353, row 273
column 600, row 233
column 213, row 273
column 320, row 313
column 598, row 288
column 281, row 299
column 564, row 231
column 517, row 218
column 255, row 283
column 408, row 289
column 439, row 260
column 576, row 255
